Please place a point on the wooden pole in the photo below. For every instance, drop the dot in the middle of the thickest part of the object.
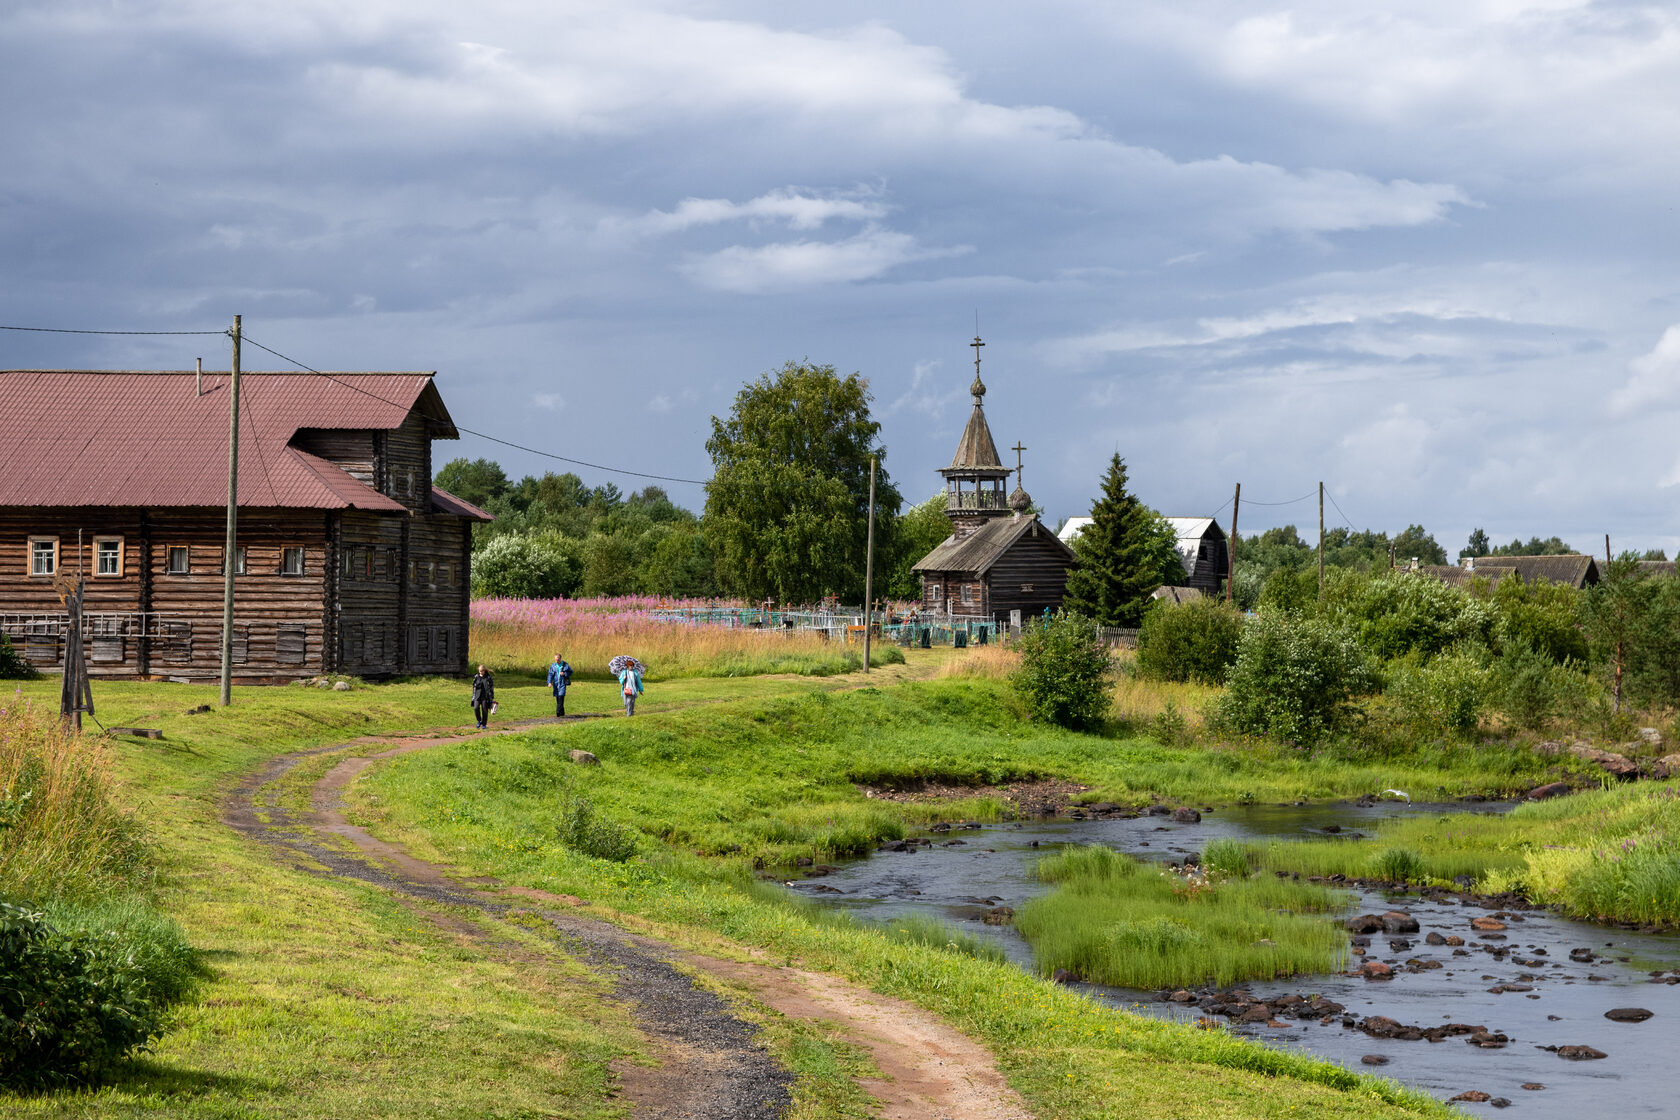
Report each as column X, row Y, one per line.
column 229, row 553
column 1321, row 540
column 1231, row 553
column 869, row 568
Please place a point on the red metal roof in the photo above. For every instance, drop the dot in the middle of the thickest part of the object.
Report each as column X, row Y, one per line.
column 82, row 438
column 445, row 502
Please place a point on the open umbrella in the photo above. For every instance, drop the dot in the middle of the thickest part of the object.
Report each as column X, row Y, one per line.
column 624, row 661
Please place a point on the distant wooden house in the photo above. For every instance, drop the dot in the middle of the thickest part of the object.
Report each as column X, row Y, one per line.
column 1203, row 549
column 1000, row 558
column 1574, row 570
column 348, row 559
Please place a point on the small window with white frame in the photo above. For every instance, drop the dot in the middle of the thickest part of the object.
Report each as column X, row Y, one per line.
column 107, row 557
column 177, row 560
column 291, row 561
column 933, row 592
column 239, row 560
column 43, row 556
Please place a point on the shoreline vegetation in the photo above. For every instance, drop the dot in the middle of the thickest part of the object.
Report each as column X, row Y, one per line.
column 720, row 779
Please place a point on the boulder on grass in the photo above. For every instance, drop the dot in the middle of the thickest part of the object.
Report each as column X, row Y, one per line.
column 584, row 758
column 1616, row 765
column 1550, row 789
column 1666, row 767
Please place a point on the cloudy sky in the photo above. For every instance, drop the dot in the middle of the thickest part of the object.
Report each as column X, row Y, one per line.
column 1427, row 258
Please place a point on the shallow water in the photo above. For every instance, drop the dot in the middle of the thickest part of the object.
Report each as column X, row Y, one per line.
column 1640, row 1077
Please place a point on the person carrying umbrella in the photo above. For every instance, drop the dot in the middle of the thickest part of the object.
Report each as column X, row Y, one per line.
column 629, row 672
column 559, row 677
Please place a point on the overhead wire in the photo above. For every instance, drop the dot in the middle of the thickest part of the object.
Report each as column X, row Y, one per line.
column 68, row 330
column 473, row 432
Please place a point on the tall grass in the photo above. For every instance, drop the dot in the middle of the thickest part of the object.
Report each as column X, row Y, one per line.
column 1117, row 921
column 1610, row 855
column 1139, row 703
column 523, row 635
column 981, row 663
column 62, row 833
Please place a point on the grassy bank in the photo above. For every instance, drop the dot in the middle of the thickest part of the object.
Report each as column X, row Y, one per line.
column 771, row 776
column 327, row 999
column 1609, row 855
column 1117, row 921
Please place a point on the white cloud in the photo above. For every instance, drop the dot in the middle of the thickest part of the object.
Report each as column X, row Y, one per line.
column 930, row 392
column 803, row 264
column 1655, row 379
column 553, row 402
column 660, row 403
column 800, row 210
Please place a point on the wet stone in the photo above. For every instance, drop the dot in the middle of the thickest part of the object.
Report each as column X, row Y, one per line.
column 1374, row 1060
column 1627, row 1014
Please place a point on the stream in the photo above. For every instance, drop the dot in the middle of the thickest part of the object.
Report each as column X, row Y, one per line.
column 1557, row 1001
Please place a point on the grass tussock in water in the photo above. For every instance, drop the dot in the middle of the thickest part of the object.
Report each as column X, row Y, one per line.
column 1117, row 921
column 1611, row 855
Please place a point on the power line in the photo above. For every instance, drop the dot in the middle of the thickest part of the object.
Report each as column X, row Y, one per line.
column 1345, row 520
column 1290, row 502
column 470, row 431
column 67, row 330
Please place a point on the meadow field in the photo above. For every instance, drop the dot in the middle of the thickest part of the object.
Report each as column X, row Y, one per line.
column 523, row 635
column 327, row 997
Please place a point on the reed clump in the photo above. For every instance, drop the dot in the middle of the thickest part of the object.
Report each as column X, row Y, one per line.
column 1117, row 921
column 63, row 834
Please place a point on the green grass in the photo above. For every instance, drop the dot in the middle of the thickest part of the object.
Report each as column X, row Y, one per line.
column 329, row 999
column 774, row 778
column 1609, row 855
column 714, row 790
column 1118, row 921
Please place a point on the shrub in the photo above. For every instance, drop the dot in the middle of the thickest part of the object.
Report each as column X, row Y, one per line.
column 582, row 830
column 1293, row 678
column 12, row 664
column 514, row 566
column 1064, row 673
column 1542, row 615
column 1289, row 589
column 1195, row 641
column 75, row 1001
column 1444, row 697
column 1394, row 615
column 1531, row 689
column 1169, row 727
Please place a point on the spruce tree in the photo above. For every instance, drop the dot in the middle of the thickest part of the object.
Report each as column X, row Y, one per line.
column 1124, row 554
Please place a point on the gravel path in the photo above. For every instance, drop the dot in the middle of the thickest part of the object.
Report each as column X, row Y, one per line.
column 711, row 1066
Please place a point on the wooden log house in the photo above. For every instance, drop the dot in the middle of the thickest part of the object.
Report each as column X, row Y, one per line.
column 348, row 559
column 1000, row 559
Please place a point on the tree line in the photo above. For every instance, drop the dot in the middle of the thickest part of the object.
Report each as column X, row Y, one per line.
column 785, row 517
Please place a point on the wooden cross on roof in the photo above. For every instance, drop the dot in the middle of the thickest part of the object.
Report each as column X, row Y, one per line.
column 1018, row 448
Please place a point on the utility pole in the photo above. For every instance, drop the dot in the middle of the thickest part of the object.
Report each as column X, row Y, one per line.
column 1321, row 540
column 1231, row 553
column 869, row 569
column 229, row 553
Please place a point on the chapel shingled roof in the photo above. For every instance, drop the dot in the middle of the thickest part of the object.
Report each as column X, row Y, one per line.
column 979, row 550
column 87, row 438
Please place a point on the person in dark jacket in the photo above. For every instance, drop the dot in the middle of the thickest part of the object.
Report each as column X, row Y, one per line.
column 559, row 679
column 483, row 696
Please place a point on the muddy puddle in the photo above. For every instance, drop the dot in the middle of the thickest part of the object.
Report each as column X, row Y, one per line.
column 1521, row 982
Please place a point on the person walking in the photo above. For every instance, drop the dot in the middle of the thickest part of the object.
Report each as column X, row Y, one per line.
column 483, row 696
column 630, row 683
column 559, row 677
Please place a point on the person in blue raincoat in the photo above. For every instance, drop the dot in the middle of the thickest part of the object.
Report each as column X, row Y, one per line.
column 630, row 684
column 559, row 678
